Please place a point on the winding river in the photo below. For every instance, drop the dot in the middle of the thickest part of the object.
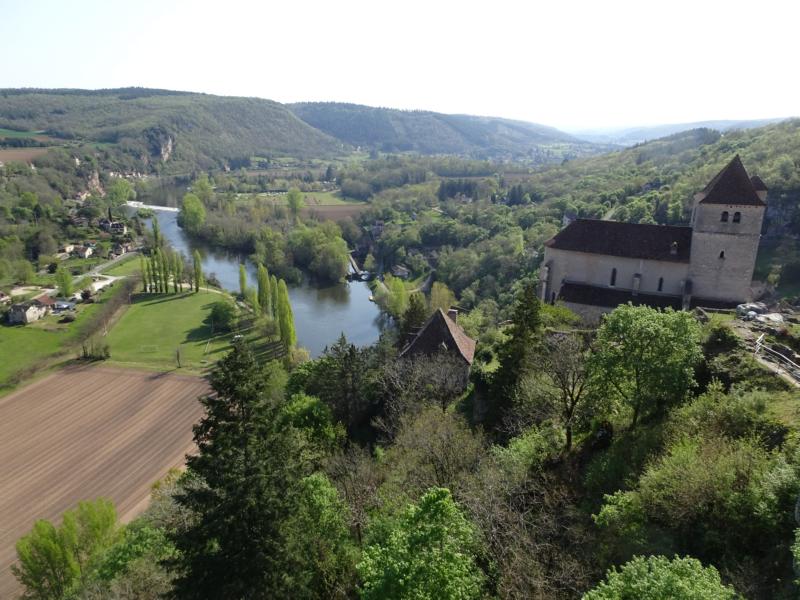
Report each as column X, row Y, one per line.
column 321, row 313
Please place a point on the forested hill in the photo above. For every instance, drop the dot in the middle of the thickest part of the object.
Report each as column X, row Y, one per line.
column 392, row 130
column 175, row 130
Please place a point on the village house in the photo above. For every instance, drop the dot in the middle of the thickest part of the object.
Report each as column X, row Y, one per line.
column 593, row 266
column 442, row 333
column 30, row 311
column 401, row 272
column 83, row 251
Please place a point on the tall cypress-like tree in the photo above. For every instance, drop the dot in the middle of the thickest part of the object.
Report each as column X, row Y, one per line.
column 285, row 316
column 242, row 281
column 143, row 269
column 264, row 292
column 249, row 468
column 273, row 289
column 515, row 353
column 198, row 270
column 164, row 271
column 156, row 233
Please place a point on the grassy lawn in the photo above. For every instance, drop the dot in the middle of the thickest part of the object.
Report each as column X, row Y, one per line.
column 11, row 133
column 312, row 199
column 155, row 326
column 127, row 266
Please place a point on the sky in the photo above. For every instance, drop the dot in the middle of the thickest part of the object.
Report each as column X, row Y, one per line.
column 569, row 64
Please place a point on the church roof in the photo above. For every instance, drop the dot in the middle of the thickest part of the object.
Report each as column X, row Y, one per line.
column 758, row 184
column 628, row 240
column 441, row 333
column 732, row 185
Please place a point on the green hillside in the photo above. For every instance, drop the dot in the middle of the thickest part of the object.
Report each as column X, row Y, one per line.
column 391, row 130
column 165, row 130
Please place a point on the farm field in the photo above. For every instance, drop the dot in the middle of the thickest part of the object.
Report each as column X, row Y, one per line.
column 88, row 432
column 155, row 325
column 21, row 154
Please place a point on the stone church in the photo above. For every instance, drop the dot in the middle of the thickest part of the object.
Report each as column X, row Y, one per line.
column 593, row 266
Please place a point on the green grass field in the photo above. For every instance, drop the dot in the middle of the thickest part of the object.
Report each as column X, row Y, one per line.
column 11, row 133
column 312, row 199
column 155, row 326
column 128, row 266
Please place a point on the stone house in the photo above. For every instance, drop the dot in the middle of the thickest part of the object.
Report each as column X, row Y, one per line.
column 83, row 251
column 30, row 311
column 593, row 266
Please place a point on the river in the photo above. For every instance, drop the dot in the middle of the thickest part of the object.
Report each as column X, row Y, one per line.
column 321, row 313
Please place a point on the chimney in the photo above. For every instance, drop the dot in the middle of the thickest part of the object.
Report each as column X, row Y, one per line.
column 453, row 314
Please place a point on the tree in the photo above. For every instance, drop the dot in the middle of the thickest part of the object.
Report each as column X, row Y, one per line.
column 370, row 264
column 251, row 297
column 248, row 473
column 294, row 199
column 55, row 561
column 120, row 192
column 223, row 316
column 645, row 357
column 145, row 273
column 203, row 190
column 273, row 289
column 242, row 281
column 515, row 352
column 414, row 318
column 319, row 548
column 428, row 554
column 397, row 300
column 193, row 213
column 285, row 316
column 657, row 577
column 157, row 239
column 441, row 297
column 198, row 270
column 264, row 292
column 64, row 282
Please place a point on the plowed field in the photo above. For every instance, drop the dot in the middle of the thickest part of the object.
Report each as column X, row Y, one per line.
column 85, row 433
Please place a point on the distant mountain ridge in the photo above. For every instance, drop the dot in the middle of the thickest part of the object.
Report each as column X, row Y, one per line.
column 427, row 132
column 629, row 136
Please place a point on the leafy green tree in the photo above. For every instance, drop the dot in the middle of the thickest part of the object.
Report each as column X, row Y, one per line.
column 145, row 273
column 397, row 299
column 319, row 548
column 198, row 270
column 64, row 282
column 158, row 240
column 264, row 292
column 309, row 414
column 294, row 199
column 515, row 353
column 370, row 264
column 645, row 358
column 203, row 190
column 193, row 214
column 441, row 297
column 428, row 554
column 119, row 192
column 658, row 578
column 273, row 289
column 248, row 475
column 285, row 316
column 55, row 561
column 223, row 316
column 242, row 281
column 251, row 297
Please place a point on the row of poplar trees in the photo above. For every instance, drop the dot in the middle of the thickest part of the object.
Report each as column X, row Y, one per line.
column 164, row 270
column 270, row 300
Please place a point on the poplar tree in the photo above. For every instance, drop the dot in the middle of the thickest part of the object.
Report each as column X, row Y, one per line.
column 264, row 292
column 198, row 271
column 273, row 289
column 164, row 272
column 242, row 281
column 143, row 269
column 156, row 234
column 285, row 316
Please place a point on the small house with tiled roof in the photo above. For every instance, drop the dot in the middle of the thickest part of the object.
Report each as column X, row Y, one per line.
column 442, row 333
column 594, row 265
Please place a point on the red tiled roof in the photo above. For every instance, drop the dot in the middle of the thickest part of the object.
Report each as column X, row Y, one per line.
column 629, row 240
column 732, row 185
column 441, row 333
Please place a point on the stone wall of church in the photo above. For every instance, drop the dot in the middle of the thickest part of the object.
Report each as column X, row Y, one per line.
column 596, row 269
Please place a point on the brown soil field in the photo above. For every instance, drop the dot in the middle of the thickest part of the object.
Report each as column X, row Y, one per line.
column 336, row 212
column 21, row 154
column 85, row 433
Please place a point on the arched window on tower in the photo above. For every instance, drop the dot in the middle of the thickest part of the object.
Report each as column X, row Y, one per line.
column 722, row 253
column 737, row 217
column 613, row 277
column 660, row 284
column 724, row 217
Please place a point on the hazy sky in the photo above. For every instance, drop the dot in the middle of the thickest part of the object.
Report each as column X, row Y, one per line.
column 567, row 64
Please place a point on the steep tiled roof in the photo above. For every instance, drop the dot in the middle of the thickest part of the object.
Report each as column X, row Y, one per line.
column 758, row 184
column 441, row 333
column 655, row 242
column 731, row 185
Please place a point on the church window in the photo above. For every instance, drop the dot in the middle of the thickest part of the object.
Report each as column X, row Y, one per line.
column 722, row 253
column 660, row 284
column 613, row 277
column 724, row 218
column 737, row 217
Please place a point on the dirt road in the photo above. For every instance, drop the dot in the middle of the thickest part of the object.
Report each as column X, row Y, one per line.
column 84, row 433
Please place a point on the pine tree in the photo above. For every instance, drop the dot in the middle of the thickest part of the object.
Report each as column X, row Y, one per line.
column 264, row 292
column 414, row 318
column 251, row 469
column 198, row 271
column 285, row 316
